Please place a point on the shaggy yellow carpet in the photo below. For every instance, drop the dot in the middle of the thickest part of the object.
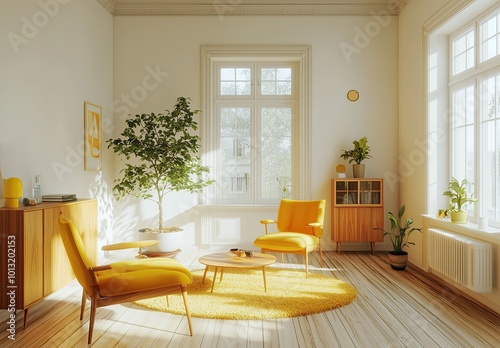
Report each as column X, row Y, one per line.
column 241, row 295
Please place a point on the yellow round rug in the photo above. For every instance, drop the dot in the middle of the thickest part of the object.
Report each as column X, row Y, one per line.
column 241, row 295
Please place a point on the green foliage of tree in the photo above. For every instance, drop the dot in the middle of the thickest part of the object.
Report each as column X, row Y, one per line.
column 161, row 153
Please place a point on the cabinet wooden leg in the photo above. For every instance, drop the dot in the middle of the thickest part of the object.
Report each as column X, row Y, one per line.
column 338, row 247
column 372, row 245
column 25, row 318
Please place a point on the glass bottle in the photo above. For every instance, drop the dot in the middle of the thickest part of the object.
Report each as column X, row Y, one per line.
column 37, row 189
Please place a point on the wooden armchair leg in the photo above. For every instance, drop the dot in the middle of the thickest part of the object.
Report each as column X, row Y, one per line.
column 188, row 313
column 82, row 307
column 306, row 256
column 320, row 256
column 93, row 308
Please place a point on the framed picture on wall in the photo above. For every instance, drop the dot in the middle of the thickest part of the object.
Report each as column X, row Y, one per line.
column 92, row 136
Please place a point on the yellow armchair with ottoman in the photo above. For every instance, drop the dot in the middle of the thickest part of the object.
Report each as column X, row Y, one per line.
column 123, row 281
column 299, row 229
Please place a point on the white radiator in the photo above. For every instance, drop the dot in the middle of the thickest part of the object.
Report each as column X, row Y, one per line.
column 467, row 261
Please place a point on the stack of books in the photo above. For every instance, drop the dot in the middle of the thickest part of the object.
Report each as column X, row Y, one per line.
column 59, row 197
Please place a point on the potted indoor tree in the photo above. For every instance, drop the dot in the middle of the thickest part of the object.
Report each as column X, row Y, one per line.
column 161, row 157
column 457, row 191
column 400, row 238
column 359, row 153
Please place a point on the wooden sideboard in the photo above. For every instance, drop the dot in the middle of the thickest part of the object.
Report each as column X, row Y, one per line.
column 357, row 207
column 34, row 261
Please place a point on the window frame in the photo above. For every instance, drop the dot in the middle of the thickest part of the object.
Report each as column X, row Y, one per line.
column 475, row 76
column 213, row 55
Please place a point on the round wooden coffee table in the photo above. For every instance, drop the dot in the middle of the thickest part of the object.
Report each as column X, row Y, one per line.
column 231, row 260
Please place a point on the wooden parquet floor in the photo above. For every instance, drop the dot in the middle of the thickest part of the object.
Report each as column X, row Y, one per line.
column 393, row 309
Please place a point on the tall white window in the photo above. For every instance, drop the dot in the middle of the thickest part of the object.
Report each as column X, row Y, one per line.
column 255, row 139
column 475, row 113
column 489, row 120
column 254, row 110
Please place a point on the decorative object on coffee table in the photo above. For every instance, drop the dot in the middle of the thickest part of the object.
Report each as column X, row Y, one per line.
column 233, row 260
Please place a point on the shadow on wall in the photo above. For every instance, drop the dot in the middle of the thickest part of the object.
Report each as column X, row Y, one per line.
column 132, row 214
column 100, row 190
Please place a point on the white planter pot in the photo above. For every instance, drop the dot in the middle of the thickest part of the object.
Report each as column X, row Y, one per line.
column 168, row 241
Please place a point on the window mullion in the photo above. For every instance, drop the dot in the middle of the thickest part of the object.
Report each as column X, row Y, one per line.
column 257, row 170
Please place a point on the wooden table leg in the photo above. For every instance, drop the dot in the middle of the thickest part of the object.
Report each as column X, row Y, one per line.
column 264, row 276
column 204, row 275
column 215, row 277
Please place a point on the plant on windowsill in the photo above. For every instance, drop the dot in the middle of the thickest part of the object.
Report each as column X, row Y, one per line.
column 457, row 191
column 399, row 235
column 161, row 157
column 358, row 154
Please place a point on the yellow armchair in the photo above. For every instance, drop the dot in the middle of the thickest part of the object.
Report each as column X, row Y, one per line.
column 300, row 227
column 123, row 281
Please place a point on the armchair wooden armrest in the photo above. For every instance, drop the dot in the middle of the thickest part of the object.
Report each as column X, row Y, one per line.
column 316, row 226
column 267, row 222
column 100, row 268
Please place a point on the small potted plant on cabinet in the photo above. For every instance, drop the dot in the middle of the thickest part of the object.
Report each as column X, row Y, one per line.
column 161, row 153
column 457, row 191
column 359, row 153
column 399, row 235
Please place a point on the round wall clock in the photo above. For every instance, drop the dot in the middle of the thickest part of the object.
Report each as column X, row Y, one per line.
column 353, row 95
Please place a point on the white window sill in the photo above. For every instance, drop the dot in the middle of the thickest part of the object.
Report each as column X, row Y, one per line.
column 468, row 229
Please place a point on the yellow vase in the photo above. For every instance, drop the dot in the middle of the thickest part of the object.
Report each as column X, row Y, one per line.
column 12, row 191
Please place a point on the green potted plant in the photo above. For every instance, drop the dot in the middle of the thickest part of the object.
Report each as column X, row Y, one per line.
column 359, row 153
column 161, row 157
column 400, row 238
column 457, row 191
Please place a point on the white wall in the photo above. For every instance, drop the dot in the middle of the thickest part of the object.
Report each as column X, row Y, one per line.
column 412, row 113
column 412, row 128
column 55, row 55
column 171, row 45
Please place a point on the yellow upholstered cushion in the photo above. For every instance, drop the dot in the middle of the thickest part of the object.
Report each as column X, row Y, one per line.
column 126, row 277
column 287, row 241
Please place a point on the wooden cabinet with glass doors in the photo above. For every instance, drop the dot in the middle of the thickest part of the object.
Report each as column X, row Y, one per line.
column 357, row 207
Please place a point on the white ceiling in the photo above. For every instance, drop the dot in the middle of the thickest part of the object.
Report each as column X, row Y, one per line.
column 253, row 7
